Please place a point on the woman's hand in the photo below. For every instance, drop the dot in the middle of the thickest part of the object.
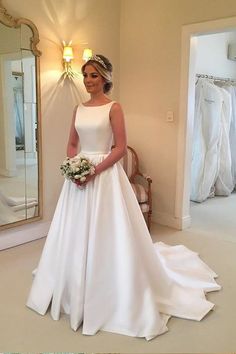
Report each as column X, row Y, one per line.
column 88, row 179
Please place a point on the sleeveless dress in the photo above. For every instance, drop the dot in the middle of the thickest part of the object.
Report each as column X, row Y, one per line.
column 99, row 264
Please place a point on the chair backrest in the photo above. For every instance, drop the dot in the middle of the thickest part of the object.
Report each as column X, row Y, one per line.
column 130, row 163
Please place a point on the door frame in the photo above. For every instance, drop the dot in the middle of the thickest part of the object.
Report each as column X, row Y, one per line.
column 186, row 111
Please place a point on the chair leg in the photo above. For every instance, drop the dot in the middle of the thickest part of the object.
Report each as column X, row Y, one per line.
column 149, row 221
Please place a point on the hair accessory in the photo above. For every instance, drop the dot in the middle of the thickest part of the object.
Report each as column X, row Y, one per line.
column 99, row 60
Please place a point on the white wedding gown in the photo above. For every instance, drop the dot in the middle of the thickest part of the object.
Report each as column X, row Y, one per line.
column 99, row 264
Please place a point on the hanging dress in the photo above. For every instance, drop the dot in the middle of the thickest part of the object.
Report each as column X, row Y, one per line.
column 224, row 182
column 232, row 133
column 207, row 134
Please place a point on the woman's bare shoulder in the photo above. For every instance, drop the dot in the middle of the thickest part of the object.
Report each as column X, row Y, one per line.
column 76, row 107
column 116, row 107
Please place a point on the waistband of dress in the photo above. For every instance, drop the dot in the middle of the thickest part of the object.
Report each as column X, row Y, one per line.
column 94, row 152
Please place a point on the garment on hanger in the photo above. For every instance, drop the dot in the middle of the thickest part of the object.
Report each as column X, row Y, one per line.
column 213, row 168
column 206, row 140
column 224, row 183
column 232, row 132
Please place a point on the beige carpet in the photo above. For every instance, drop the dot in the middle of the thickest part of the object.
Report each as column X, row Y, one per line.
column 212, row 234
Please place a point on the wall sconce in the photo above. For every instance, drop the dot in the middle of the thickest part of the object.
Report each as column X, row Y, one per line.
column 87, row 54
column 68, row 56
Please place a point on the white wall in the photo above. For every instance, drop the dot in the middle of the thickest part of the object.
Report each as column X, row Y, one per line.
column 150, row 85
column 212, row 52
column 87, row 25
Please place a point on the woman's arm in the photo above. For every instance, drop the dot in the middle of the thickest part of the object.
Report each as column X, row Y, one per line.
column 73, row 140
column 119, row 134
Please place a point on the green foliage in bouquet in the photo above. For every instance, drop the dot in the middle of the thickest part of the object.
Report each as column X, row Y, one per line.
column 77, row 168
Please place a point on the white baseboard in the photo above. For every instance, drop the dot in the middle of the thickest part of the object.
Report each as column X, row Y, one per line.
column 25, row 233
column 171, row 221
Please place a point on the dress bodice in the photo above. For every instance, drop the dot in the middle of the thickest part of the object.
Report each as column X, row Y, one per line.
column 94, row 128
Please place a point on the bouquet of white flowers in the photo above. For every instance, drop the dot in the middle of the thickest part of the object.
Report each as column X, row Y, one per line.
column 77, row 168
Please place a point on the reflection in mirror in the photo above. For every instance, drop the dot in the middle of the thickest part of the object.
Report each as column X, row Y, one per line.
column 20, row 193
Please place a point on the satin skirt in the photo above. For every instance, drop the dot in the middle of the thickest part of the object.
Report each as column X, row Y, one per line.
column 100, row 266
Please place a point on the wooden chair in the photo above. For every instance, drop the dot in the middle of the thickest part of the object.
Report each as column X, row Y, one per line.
column 140, row 183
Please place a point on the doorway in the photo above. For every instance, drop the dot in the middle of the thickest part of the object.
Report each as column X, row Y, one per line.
column 184, row 212
column 213, row 178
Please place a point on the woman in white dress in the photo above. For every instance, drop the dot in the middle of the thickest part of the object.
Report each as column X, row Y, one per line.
column 99, row 264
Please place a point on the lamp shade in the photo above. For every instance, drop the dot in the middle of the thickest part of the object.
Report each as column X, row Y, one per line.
column 87, row 54
column 68, row 53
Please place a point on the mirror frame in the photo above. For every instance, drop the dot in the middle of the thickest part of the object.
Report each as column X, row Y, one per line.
column 10, row 21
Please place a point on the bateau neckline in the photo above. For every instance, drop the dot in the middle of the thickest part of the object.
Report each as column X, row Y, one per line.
column 101, row 105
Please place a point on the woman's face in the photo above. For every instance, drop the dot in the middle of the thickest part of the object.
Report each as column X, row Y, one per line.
column 93, row 81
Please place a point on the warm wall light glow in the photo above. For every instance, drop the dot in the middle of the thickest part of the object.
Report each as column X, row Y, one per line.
column 68, row 53
column 68, row 56
column 87, row 54
column 67, row 59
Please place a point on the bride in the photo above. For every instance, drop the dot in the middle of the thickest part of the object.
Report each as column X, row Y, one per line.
column 99, row 265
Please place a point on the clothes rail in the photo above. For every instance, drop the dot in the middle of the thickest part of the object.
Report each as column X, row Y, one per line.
column 216, row 78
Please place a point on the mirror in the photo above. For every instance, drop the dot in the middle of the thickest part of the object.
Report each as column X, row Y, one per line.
column 20, row 140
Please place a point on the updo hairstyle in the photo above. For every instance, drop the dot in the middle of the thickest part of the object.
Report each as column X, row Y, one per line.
column 104, row 67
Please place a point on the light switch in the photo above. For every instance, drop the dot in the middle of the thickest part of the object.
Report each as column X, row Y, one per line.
column 169, row 116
